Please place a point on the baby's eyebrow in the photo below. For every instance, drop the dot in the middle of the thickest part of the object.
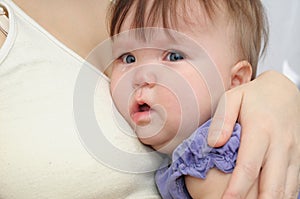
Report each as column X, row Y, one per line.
column 157, row 39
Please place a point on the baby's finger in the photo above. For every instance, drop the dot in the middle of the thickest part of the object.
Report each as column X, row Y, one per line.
column 250, row 158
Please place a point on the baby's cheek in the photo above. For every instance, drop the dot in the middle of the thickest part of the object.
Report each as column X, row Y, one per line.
column 205, row 105
column 113, row 80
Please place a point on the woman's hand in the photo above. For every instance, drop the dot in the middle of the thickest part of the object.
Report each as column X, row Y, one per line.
column 268, row 109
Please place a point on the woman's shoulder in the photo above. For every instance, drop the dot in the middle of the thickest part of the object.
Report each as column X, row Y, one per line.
column 71, row 25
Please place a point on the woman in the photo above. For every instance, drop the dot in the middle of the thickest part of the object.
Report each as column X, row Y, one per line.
column 42, row 155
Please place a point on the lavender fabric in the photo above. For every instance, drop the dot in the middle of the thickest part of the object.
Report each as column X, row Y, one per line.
column 195, row 158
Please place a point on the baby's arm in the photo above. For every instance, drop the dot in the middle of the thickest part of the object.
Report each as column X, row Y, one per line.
column 213, row 186
column 193, row 157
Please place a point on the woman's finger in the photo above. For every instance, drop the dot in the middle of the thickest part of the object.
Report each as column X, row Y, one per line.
column 250, row 158
column 225, row 118
column 273, row 178
column 292, row 181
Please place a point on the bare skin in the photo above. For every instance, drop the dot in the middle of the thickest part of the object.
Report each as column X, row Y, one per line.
column 84, row 27
column 83, row 24
column 202, row 189
column 2, row 38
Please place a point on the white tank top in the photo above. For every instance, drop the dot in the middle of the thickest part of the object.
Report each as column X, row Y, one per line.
column 45, row 148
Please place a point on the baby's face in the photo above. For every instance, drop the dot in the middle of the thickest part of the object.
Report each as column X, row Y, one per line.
column 165, row 84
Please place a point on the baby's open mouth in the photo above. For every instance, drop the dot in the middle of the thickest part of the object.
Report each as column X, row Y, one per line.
column 144, row 107
column 141, row 114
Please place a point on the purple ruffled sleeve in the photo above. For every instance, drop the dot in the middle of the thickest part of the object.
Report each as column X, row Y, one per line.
column 195, row 158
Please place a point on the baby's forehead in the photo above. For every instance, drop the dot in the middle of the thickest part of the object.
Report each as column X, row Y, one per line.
column 189, row 16
column 198, row 18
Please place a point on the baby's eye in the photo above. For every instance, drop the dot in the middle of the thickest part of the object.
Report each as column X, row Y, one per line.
column 128, row 58
column 174, row 56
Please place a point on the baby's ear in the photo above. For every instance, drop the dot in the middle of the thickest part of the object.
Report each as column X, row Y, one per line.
column 240, row 73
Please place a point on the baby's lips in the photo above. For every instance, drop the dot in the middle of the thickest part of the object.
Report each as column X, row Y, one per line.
column 141, row 118
column 141, row 113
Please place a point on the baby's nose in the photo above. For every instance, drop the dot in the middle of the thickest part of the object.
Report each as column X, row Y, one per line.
column 144, row 77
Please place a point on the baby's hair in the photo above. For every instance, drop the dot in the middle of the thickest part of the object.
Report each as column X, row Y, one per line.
column 247, row 16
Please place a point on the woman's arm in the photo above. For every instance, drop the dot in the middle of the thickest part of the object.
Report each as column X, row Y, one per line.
column 268, row 109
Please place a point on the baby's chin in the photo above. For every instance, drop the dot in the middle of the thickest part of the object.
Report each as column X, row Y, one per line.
column 160, row 141
column 160, row 147
column 166, row 148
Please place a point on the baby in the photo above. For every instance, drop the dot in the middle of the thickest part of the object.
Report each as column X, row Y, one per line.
column 173, row 61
